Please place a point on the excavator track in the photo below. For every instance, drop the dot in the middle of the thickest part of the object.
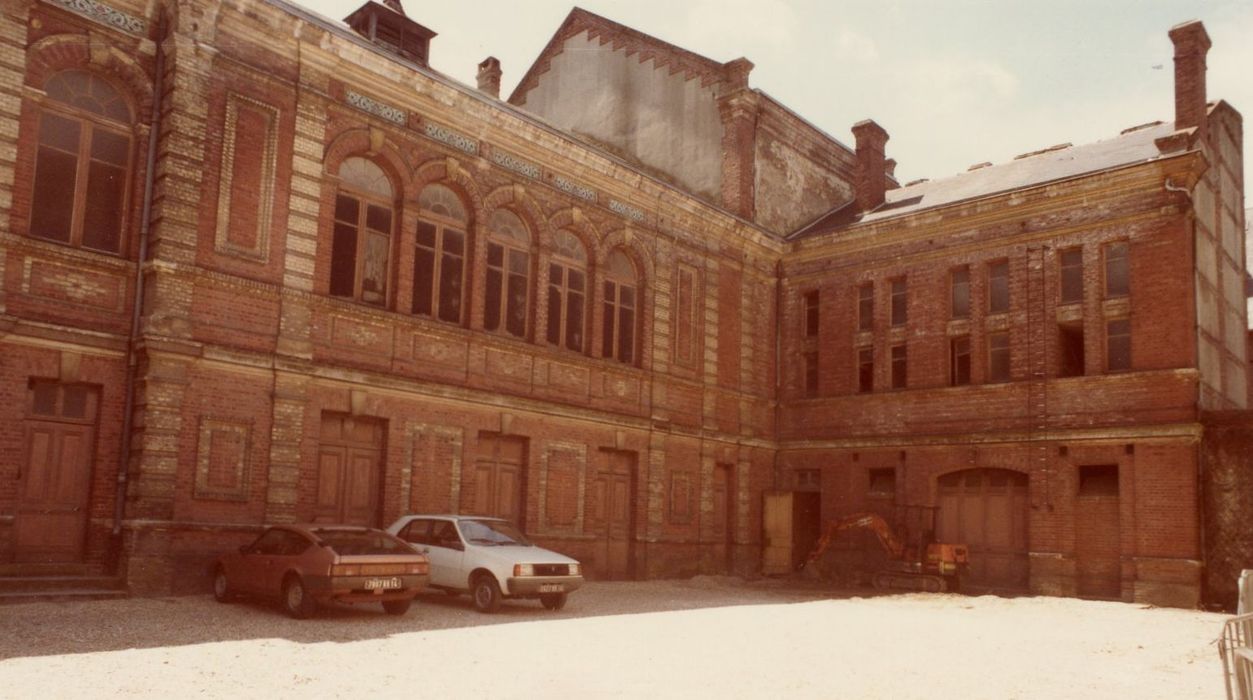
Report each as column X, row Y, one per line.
column 892, row 580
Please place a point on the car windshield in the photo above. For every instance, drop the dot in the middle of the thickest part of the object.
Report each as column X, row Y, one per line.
column 349, row 542
column 492, row 533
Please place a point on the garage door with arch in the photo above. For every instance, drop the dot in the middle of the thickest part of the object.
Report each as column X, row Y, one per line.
column 986, row 509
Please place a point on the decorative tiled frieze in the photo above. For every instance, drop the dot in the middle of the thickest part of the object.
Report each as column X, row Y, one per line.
column 574, row 188
column 626, row 210
column 104, row 14
column 378, row 109
column 510, row 162
column 452, row 138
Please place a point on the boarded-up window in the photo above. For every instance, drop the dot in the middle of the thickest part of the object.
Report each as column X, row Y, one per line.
column 1118, row 344
column 900, row 367
column 960, row 292
column 998, row 357
column 998, row 287
column 82, row 163
column 439, row 259
column 1117, row 272
column 222, row 459
column 620, row 309
column 865, row 370
column 865, row 307
column 959, row 361
column 1072, row 275
column 680, row 498
column 507, row 306
column 567, row 292
column 899, row 307
column 361, row 237
column 685, row 316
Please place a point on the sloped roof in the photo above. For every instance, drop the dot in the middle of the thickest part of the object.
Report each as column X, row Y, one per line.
column 1132, row 146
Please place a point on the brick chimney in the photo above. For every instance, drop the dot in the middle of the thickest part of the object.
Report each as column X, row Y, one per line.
column 489, row 76
column 1191, row 45
column 871, row 167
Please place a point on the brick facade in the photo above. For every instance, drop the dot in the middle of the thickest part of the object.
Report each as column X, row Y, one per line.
column 250, row 371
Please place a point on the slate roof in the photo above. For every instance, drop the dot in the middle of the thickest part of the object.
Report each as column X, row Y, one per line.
column 1059, row 163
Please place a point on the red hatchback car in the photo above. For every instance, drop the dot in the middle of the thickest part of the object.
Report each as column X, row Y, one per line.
column 305, row 565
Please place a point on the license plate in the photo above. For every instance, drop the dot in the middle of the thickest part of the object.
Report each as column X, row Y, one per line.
column 379, row 584
column 552, row 587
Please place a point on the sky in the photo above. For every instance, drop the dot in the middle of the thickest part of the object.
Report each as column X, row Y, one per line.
column 954, row 82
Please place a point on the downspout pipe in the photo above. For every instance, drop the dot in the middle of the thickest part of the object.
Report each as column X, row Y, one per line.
column 132, row 359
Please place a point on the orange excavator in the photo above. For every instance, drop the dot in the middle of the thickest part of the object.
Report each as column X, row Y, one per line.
column 924, row 565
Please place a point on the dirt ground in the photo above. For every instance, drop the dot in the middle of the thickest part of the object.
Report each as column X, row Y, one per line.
column 708, row 637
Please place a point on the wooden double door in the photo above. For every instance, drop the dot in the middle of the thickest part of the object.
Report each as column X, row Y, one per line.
column 54, row 485
column 611, row 513
column 986, row 509
column 350, row 470
column 499, row 478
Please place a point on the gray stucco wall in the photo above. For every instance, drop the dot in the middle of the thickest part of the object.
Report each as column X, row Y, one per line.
column 666, row 122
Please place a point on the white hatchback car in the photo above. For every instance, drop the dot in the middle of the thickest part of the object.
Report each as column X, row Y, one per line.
column 489, row 558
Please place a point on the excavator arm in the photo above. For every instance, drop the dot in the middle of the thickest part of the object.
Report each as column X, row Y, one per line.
column 858, row 521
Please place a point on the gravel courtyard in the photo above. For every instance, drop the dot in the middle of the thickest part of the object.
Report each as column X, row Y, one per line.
column 709, row 637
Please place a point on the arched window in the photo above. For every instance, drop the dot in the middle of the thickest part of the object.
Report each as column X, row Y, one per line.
column 567, row 292
column 83, row 163
column 621, row 301
column 439, row 261
column 508, row 274
column 361, row 242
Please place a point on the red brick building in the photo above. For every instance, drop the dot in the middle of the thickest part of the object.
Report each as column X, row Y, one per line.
column 626, row 307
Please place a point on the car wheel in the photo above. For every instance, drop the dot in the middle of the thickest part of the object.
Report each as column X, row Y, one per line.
column 296, row 600
column 397, row 607
column 221, row 588
column 553, row 601
column 486, row 594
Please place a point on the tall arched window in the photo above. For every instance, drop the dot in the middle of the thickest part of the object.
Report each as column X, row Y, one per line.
column 621, row 301
column 567, row 292
column 439, row 261
column 361, row 242
column 508, row 274
column 83, row 163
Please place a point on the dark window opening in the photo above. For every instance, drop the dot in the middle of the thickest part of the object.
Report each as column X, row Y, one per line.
column 900, row 367
column 959, row 305
column 882, row 482
column 998, row 357
column 1117, row 273
column 898, row 302
column 1118, row 345
column 618, row 332
column 1098, row 480
column 865, row 307
column 811, row 374
column 811, row 315
column 1072, row 275
column 865, row 370
column 1070, row 350
column 998, row 287
column 959, row 361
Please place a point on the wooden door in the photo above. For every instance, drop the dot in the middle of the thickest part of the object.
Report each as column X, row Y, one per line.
column 613, row 514
column 722, row 527
column 499, row 478
column 986, row 509
column 1097, row 546
column 776, row 522
column 350, row 462
column 54, row 485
